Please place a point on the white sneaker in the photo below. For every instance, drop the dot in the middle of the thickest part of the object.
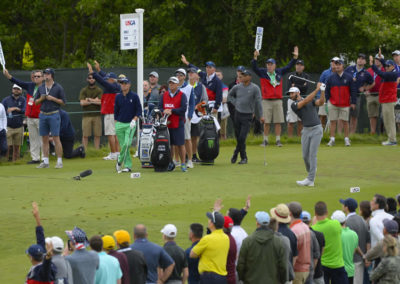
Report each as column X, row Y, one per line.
column 114, row 156
column 388, row 143
column 177, row 164
column 305, row 182
column 42, row 165
column 347, row 141
column 108, row 157
column 331, row 143
column 59, row 166
column 189, row 164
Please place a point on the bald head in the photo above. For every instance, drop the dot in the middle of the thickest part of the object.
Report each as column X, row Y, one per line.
column 140, row 231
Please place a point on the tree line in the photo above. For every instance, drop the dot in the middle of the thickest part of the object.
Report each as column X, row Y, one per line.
column 65, row 34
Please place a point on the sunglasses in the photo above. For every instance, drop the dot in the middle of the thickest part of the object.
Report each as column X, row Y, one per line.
column 36, row 76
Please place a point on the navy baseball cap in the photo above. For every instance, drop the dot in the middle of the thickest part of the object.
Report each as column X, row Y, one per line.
column 246, row 72
column 362, row 55
column 191, row 70
column 124, row 81
column 270, row 60
column 36, row 251
column 390, row 62
column 301, row 62
column 240, row 68
column 111, row 75
column 210, row 64
column 48, row 71
column 391, row 226
column 349, row 203
column 216, row 218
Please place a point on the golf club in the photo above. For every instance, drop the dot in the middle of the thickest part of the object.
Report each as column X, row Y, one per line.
column 265, row 154
column 300, row 78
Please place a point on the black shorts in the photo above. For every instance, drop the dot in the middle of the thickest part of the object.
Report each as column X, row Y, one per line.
column 195, row 130
column 177, row 136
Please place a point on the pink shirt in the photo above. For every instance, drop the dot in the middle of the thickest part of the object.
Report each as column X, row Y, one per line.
column 302, row 232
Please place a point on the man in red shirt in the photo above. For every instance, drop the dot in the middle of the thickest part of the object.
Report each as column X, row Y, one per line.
column 372, row 96
column 174, row 103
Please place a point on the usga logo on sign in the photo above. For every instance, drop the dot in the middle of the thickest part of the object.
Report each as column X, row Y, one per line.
column 130, row 23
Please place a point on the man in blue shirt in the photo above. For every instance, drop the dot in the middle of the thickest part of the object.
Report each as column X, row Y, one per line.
column 364, row 82
column 14, row 106
column 195, row 234
column 51, row 96
column 67, row 138
column 155, row 256
column 127, row 109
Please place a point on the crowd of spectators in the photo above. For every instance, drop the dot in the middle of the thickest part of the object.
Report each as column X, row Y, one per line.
column 287, row 245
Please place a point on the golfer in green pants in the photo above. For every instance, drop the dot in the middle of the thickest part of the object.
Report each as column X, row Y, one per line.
column 127, row 109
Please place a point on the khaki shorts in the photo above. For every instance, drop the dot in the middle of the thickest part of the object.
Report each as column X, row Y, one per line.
column 109, row 124
column 322, row 110
column 187, row 129
column 14, row 136
column 372, row 105
column 91, row 124
column 338, row 113
column 273, row 111
column 291, row 116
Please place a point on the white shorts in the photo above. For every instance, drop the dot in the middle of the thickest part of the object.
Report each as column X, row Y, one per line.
column 187, row 129
column 109, row 124
column 338, row 113
column 291, row 116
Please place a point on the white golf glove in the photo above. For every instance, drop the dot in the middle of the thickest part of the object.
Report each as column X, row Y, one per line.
column 322, row 87
column 133, row 124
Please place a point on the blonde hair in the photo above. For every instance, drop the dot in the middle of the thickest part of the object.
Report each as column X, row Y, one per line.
column 390, row 243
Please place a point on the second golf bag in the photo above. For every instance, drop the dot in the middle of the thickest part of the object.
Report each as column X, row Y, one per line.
column 161, row 151
column 208, row 145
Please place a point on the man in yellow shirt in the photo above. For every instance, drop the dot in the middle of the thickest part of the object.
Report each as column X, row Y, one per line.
column 213, row 251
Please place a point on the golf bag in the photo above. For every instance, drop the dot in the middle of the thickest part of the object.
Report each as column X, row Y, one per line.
column 208, row 145
column 145, row 145
column 146, row 137
column 161, row 150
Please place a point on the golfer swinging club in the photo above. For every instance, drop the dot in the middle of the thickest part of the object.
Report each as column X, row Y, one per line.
column 312, row 130
column 127, row 109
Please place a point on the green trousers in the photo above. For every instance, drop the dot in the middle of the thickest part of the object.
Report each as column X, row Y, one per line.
column 125, row 135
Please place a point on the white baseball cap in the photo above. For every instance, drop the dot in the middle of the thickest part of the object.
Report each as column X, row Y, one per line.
column 173, row 79
column 170, row 231
column 293, row 90
column 396, row 52
column 377, row 56
column 335, row 59
column 339, row 215
column 154, row 73
column 181, row 70
column 15, row 86
column 58, row 244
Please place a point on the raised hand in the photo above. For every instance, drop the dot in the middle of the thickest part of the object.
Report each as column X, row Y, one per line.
column 248, row 200
column 256, row 54
column 218, row 205
column 5, row 72
column 97, row 65
column 295, row 52
column 184, row 60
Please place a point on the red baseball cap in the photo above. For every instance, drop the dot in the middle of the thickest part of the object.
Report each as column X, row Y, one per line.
column 228, row 222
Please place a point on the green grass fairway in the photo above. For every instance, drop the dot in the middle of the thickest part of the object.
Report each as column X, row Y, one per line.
column 107, row 201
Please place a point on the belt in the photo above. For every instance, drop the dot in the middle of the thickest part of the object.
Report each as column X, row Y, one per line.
column 49, row 113
column 271, row 99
